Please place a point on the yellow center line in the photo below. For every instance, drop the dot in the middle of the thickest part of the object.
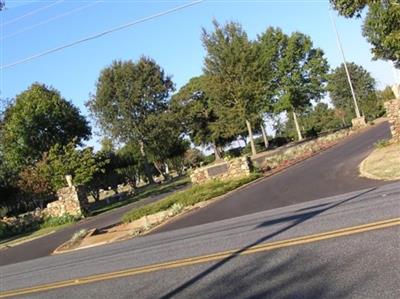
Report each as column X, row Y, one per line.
column 205, row 258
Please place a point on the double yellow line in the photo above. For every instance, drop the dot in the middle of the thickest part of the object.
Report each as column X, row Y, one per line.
column 205, row 258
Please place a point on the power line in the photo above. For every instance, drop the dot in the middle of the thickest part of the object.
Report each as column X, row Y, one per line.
column 101, row 34
column 33, row 12
column 52, row 19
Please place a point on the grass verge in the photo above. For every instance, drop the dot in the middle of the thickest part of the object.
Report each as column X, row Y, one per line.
column 383, row 163
column 189, row 197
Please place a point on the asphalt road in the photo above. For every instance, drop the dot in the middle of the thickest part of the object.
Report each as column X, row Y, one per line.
column 332, row 172
column 345, row 246
column 44, row 246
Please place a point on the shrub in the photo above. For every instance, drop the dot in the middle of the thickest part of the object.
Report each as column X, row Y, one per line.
column 56, row 221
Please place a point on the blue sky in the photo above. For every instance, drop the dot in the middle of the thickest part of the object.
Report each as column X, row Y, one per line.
column 172, row 40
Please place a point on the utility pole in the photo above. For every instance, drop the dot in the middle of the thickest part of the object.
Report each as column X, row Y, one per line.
column 358, row 115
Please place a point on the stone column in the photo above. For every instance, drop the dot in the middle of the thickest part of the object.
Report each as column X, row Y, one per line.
column 393, row 114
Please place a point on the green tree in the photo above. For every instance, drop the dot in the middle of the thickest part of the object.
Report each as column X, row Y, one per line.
column 81, row 164
column 364, row 88
column 129, row 97
column 321, row 119
column 231, row 64
column 106, row 176
column 385, row 95
column 195, row 104
column 302, row 74
column 164, row 140
column 269, row 45
column 193, row 158
column 381, row 25
column 39, row 182
column 38, row 119
column 131, row 163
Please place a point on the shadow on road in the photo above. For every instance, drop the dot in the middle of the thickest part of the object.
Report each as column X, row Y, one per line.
column 296, row 220
column 284, row 276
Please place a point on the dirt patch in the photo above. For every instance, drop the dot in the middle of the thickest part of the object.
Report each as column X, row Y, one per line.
column 382, row 164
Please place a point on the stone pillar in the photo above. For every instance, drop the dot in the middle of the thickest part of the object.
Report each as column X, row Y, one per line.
column 71, row 200
column 393, row 115
column 68, row 178
column 358, row 122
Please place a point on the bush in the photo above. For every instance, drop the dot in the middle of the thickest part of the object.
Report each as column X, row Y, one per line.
column 189, row 197
column 208, row 159
column 57, row 221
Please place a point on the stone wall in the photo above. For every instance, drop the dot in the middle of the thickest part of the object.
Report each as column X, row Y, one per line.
column 71, row 200
column 393, row 115
column 224, row 170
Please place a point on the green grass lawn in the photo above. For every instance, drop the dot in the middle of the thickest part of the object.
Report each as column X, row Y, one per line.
column 189, row 197
column 145, row 191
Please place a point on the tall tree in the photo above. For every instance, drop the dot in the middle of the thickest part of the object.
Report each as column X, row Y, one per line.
column 129, row 97
column 165, row 140
column 38, row 119
column 381, row 25
column 131, row 164
column 302, row 74
column 269, row 45
column 195, row 103
column 231, row 63
column 364, row 88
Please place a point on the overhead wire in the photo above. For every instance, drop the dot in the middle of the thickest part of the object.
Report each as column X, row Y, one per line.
column 33, row 12
column 67, row 13
column 103, row 33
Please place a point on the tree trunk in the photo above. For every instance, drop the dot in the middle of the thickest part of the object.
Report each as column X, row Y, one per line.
column 344, row 122
column 264, row 134
column 146, row 165
column 96, row 195
column 166, row 168
column 160, row 171
column 300, row 137
column 253, row 147
column 216, row 152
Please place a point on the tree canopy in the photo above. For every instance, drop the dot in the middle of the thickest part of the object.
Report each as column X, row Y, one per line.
column 364, row 88
column 381, row 25
column 302, row 74
column 231, row 62
column 196, row 107
column 129, row 98
column 38, row 119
